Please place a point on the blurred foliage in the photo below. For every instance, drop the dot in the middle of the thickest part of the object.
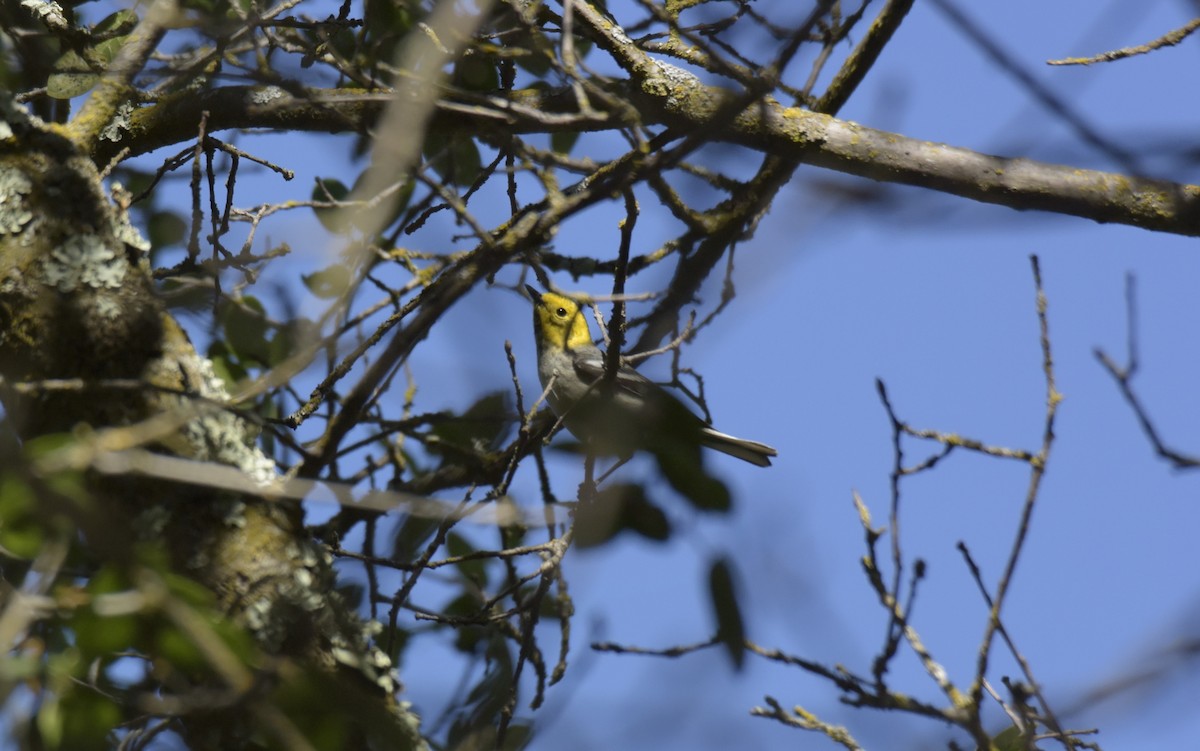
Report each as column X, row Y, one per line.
column 123, row 648
column 78, row 70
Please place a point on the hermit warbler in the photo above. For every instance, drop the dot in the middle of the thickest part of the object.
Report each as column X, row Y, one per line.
column 630, row 413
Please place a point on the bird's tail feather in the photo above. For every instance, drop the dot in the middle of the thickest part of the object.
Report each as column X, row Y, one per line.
column 754, row 452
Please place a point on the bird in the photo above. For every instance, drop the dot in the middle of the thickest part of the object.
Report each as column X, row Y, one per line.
column 630, row 413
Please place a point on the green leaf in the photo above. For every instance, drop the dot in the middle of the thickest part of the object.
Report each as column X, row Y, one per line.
column 454, row 156
column 485, row 701
column 44, row 445
column 387, row 206
column 136, row 181
column 599, row 520
column 517, row 737
column 562, row 141
column 331, row 708
column 188, row 590
column 534, row 60
column 226, row 365
column 107, row 581
column 683, row 468
column 116, row 24
column 71, row 77
column 674, row 440
column 615, row 508
column 344, row 41
column 336, row 220
column 245, row 324
column 20, row 533
column 87, row 718
column 297, row 333
column 485, row 426
column 179, row 651
column 50, row 722
column 474, row 570
column 75, row 74
column 97, row 636
column 329, row 282
column 731, row 631
column 398, row 201
column 583, row 46
column 411, row 535
column 185, row 293
column 383, row 212
column 305, row 697
column 467, row 638
column 1009, row 739
column 20, row 667
column 475, row 72
column 239, row 641
column 647, row 520
column 166, row 228
column 105, row 52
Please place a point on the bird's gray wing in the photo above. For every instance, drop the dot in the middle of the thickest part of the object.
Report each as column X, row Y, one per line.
column 590, row 368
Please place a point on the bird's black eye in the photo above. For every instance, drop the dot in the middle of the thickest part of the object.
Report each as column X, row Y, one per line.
column 561, row 312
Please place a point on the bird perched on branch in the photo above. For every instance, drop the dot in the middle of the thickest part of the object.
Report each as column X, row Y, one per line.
column 625, row 412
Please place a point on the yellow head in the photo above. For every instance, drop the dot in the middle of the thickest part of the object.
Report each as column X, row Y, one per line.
column 558, row 321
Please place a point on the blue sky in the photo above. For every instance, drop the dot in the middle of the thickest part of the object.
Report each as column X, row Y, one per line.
column 934, row 295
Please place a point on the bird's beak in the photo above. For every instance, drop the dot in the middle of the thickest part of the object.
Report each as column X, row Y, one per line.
column 534, row 294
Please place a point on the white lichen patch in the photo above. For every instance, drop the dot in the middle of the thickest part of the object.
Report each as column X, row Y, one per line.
column 676, row 75
column 271, row 618
column 199, row 559
column 258, row 619
column 370, row 660
column 151, row 523
column 108, row 308
column 84, row 260
column 268, row 95
column 234, row 515
column 211, row 385
column 11, row 283
column 14, row 212
column 120, row 123
column 124, row 230
column 49, row 13
column 303, row 577
column 220, row 436
column 678, row 80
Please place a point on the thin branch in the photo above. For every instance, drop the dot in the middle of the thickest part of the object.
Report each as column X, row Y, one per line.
column 1037, row 473
column 1170, row 39
column 1055, row 104
column 1124, row 378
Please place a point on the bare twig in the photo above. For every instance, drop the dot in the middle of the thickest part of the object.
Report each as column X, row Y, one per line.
column 1170, row 39
column 1124, row 378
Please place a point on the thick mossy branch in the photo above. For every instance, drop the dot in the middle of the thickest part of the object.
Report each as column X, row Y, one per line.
column 76, row 302
column 674, row 97
column 670, row 96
